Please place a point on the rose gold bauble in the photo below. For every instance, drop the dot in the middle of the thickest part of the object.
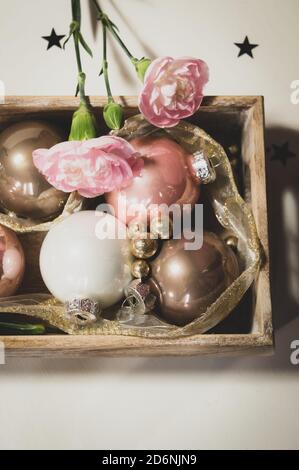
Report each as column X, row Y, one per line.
column 187, row 282
column 23, row 190
column 12, row 262
column 165, row 179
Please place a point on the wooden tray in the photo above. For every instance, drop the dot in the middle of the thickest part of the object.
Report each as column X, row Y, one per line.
column 233, row 121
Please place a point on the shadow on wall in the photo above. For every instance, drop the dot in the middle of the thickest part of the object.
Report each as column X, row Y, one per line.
column 147, row 51
column 283, row 215
column 283, row 207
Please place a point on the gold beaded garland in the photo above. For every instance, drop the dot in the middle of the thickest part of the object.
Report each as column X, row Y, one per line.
column 233, row 149
column 140, row 269
column 144, row 248
column 232, row 242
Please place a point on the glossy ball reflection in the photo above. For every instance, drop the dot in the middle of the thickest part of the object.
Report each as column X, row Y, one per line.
column 12, row 262
column 165, row 179
column 87, row 255
column 23, row 190
column 187, row 282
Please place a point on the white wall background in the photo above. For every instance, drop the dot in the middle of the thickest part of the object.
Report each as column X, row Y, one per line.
column 167, row 403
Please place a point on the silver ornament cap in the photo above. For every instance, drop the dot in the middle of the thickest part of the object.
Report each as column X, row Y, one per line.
column 82, row 311
column 202, row 168
column 139, row 300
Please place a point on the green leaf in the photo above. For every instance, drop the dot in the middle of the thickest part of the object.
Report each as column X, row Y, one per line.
column 101, row 72
column 113, row 25
column 74, row 29
column 24, row 328
column 67, row 40
column 84, row 44
column 76, row 11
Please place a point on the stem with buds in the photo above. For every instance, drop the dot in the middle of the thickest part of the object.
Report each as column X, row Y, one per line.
column 113, row 29
column 75, row 31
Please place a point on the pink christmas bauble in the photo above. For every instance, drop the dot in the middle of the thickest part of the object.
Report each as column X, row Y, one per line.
column 165, row 179
column 12, row 262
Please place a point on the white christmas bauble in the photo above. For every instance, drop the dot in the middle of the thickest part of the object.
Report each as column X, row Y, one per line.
column 87, row 256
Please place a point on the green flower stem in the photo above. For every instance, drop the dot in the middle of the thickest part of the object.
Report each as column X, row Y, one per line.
column 75, row 31
column 78, row 55
column 83, row 123
column 106, row 20
column 120, row 42
column 105, row 65
column 81, row 75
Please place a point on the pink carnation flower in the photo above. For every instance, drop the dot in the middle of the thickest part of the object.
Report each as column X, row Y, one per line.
column 173, row 90
column 92, row 167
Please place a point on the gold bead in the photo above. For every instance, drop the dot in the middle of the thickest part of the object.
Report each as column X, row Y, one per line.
column 140, row 269
column 144, row 247
column 161, row 226
column 232, row 242
column 233, row 149
column 234, row 162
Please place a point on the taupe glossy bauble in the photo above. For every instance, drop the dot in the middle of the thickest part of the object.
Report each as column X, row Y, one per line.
column 12, row 262
column 23, row 190
column 187, row 282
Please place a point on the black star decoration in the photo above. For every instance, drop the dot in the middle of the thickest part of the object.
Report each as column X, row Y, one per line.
column 53, row 39
column 245, row 47
column 282, row 153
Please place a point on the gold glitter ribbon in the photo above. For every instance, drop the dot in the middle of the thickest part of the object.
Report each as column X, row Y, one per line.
column 19, row 225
